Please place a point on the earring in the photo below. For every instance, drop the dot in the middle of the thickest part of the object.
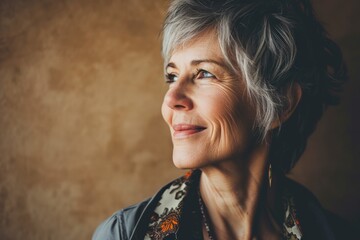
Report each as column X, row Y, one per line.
column 270, row 175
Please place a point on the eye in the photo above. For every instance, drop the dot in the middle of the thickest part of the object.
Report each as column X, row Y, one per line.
column 201, row 73
column 170, row 78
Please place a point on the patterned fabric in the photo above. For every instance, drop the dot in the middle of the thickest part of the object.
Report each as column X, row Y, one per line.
column 166, row 218
column 291, row 225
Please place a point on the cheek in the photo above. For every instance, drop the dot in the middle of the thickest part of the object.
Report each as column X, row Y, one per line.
column 225, row 105
column 234, row 106
column 230, row 116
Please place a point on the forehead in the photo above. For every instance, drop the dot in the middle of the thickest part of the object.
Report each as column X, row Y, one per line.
column 203, row 46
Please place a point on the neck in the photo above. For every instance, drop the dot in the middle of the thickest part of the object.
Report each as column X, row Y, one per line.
column 234, row 195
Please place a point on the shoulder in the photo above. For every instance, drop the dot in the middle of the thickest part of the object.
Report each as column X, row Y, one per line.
column 120, row 225
column 341, row 228
column 132, row 222
column 315, row 220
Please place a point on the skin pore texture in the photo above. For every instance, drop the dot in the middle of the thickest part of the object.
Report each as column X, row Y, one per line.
column 211, row 123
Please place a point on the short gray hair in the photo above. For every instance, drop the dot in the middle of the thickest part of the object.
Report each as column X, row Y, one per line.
column 272, row 44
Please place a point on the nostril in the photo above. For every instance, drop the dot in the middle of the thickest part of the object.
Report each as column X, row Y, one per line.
column 179, row 106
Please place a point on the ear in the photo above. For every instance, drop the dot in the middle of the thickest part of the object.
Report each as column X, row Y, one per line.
column 293, row 94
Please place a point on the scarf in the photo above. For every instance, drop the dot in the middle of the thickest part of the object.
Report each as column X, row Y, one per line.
column 166, row 220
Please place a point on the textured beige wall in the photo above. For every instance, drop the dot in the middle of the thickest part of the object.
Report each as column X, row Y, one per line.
column 81, row 133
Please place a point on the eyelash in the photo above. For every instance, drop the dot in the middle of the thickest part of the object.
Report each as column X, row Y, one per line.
column 169, row 77
column 198, row 71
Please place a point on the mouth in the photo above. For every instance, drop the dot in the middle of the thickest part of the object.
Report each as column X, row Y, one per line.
column 186, row 130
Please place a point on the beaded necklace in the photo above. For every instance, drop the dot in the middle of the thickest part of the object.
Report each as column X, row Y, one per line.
column 205, row 218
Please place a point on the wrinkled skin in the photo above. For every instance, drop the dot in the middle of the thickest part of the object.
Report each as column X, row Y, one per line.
column 203, row 91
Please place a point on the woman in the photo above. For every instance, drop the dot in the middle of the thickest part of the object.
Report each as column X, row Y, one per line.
column 248, row 81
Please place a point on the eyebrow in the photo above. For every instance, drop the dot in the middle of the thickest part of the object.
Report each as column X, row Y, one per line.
column 199, row 61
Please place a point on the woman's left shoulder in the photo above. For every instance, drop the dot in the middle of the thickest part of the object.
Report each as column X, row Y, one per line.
column 315, row 219
column 341, row 228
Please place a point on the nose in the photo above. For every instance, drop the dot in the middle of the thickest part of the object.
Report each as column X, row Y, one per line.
column 177, row 98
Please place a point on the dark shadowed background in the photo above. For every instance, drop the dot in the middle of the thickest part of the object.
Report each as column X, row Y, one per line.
column 81, row 133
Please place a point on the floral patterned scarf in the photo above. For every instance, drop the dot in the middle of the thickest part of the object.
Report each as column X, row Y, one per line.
column 165, row 220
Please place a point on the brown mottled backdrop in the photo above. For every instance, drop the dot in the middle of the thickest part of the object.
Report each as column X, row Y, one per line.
column 81, row 133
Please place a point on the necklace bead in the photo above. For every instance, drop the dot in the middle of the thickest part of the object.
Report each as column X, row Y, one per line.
column 205, row 219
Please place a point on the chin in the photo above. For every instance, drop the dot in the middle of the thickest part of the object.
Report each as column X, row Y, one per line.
column 191, row 161
column 185, row 161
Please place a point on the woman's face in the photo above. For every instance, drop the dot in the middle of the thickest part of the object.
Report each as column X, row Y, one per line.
column 206, row 106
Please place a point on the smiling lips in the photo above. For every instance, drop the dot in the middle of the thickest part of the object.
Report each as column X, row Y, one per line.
column 185, row 130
